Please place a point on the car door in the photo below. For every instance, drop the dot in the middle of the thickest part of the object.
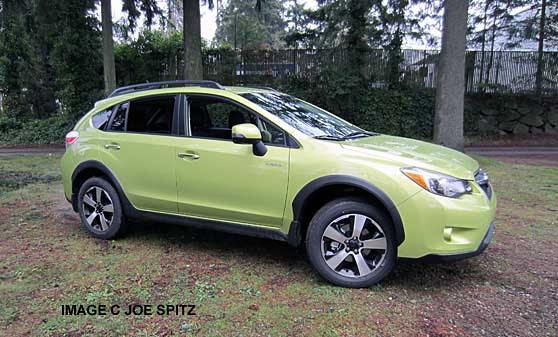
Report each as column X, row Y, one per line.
column 138, row 146
column 218, row 179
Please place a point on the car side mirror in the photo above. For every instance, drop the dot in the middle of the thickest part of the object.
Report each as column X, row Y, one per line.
column 247, row 133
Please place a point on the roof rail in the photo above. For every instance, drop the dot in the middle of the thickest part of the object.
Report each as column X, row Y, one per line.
column 165, row 84
column 255, row 86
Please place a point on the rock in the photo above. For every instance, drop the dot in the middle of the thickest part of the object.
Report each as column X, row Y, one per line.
column 186, row 327
column 502, row 132
column 491, row 120
column 507, row 126
column 488, row 119
column 553, row 117
column 510, row 115
column 550, row 129
column 511, row 106
column 489, row 112
column 536, row 131
column 520, row 129
column 486, row 126
column 523, row 110
column 532, row 120
column 537, row 109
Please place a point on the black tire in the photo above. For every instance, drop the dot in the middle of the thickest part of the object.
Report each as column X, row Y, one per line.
column 117, row 224
column 337, row 209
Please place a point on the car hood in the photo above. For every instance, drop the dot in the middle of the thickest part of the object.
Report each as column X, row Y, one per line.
column 415, row 153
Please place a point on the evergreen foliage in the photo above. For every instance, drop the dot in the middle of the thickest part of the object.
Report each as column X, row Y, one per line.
column 51, row 57
column 241, row 25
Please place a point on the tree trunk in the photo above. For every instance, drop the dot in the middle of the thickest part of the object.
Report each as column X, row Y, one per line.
column 540, row 60
column 483, row 42
column 450, row 90
column 491, row 59
column 193, row 68
column 109, row 69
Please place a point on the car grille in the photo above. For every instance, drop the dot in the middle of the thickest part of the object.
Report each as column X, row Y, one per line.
column 482, row 179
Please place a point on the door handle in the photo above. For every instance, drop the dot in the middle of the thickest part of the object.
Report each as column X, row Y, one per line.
column 189, row 155
column 112, row 146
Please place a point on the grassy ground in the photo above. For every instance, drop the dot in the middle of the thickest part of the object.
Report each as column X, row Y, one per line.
column 250, row 287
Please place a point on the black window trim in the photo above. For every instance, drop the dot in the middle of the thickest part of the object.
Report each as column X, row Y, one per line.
column 115, row 109
column 289, row 142
column 181, row 115
column 174, row 126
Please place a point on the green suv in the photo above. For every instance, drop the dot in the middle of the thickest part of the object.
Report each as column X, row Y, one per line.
column 254, row 161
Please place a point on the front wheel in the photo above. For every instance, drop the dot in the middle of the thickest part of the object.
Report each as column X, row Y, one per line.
column 350, row 243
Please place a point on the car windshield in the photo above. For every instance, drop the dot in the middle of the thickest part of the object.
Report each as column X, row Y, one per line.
column 305, row 117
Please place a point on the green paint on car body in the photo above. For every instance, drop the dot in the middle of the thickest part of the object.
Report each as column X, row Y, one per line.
column 216, row 179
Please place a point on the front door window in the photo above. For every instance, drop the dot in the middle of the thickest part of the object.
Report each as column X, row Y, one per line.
column 211, row 117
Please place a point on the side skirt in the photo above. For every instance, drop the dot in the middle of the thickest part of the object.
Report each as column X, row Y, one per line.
column 221, row 226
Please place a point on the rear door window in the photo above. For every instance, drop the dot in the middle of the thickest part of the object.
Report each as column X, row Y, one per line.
column 152, row 115
column 119, row 120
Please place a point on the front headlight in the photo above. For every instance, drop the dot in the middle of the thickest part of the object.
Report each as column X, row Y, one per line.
column 438, row 183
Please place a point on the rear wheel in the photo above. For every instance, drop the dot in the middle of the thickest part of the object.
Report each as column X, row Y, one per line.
column 350, row 243
column 100, row 209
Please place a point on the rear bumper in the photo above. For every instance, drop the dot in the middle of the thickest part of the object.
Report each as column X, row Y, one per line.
column 436, row 258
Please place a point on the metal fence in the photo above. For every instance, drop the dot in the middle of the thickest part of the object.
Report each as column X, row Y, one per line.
column 497, row 71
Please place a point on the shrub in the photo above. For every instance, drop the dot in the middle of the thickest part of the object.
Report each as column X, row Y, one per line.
column 34, row 131
column 401, row 112
column 407, row 113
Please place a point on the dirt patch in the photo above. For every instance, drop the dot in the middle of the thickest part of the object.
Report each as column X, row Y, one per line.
column 11, row 181
column 527, row 155
column 549, row 159
column 514, row 140
column 31, row 149
column 538, row 160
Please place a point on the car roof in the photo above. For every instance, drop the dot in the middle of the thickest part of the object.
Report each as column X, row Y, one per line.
column 187, row 89
column 249, row 89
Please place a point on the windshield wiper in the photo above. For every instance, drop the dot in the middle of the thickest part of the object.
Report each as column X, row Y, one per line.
column 352, row 135
column 329, row 137
column 359, row 134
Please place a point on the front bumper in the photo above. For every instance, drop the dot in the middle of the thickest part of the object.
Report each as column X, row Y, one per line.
column 436, row 225
column 435, row 258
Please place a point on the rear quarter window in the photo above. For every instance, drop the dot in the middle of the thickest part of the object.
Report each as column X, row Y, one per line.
column 101, row 119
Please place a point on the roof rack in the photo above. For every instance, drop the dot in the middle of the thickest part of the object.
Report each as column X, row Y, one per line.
column 164, row 84
column 255, row 86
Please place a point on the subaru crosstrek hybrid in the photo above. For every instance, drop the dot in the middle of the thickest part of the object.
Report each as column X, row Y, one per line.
column 254, row 161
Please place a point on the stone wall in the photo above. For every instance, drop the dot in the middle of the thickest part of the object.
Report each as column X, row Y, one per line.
column 504, row 114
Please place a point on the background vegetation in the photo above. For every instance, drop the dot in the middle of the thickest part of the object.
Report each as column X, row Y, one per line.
column 51, row 64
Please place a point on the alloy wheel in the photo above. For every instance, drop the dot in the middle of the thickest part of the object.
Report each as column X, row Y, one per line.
column 353, row 245
column 98, row 208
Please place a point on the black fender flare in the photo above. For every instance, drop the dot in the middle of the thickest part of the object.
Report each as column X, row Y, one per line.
column 127, row 206
column 295, row 234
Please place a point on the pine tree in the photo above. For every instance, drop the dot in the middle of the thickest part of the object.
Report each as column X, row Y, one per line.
column 296, row 19
column 241, row 26
column 76, row 55
column 16, row 61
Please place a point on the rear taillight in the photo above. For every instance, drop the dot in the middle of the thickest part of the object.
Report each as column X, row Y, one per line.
column 71, row 137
